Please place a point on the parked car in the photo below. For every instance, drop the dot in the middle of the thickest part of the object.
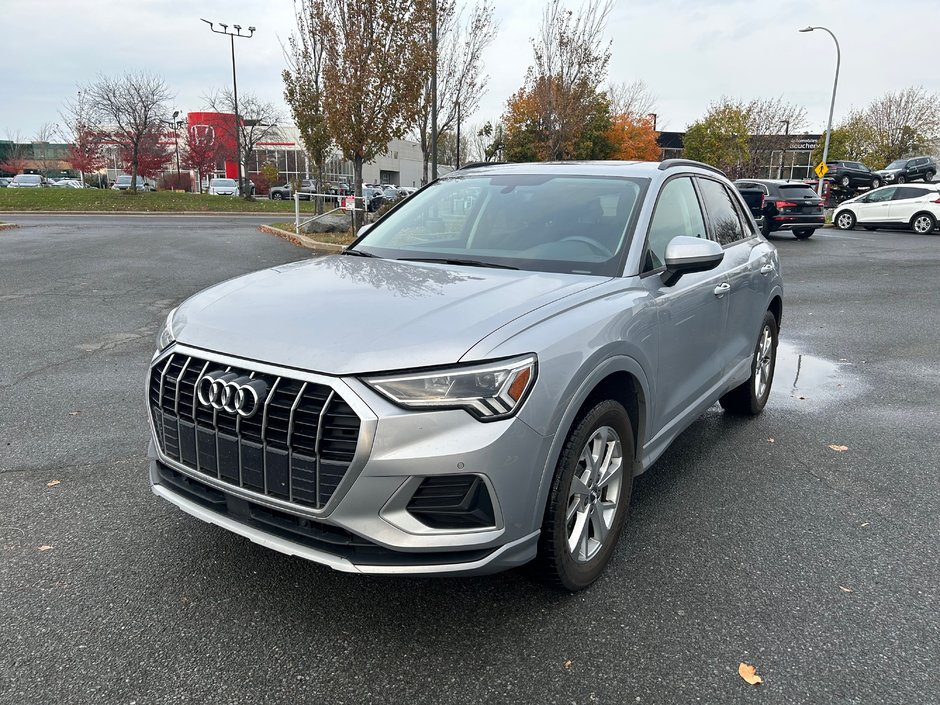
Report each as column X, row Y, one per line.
column 914, row 207
column 852, row 175
column 67, row 183
column 28, row 181
column 374, row 198
column 903, row 170
column 476, row 380
column 783, row 205
column 223, row 187
column 308, row 187
column 5, row 181
column 123, row 183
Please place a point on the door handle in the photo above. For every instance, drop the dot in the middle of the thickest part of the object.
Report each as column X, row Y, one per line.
column 767, row 269
column 722, row 289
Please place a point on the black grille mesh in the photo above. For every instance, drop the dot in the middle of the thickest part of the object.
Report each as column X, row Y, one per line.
column 297, row 448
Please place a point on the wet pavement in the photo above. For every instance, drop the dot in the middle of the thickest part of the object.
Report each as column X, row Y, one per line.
column 751, row 540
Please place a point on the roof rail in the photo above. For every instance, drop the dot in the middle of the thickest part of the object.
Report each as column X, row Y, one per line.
column 477, row 165
column 670, row 163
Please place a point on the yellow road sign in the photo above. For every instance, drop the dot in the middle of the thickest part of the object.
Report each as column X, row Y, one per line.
column 821, row 169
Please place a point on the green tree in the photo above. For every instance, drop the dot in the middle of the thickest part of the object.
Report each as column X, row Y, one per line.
column 720, row 138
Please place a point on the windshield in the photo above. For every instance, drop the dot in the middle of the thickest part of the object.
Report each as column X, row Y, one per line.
column 27, row 179
column 541, row 222
column 899, row 164
column 223, row 182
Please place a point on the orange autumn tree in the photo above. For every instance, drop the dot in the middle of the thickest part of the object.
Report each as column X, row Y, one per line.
column 633, row 138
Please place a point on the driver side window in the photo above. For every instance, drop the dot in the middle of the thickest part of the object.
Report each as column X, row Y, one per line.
column 677, row 213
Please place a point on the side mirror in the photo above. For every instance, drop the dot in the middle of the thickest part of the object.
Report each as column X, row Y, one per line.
column 685, row 255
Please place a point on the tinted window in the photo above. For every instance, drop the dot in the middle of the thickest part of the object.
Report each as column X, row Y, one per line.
column 540, row 222
column 223, row 182
column 722, row 215
column 677, row 213
column 27, row 179
column 797, row 191
column 905, row 192
column 899, row 164
column 879, row 195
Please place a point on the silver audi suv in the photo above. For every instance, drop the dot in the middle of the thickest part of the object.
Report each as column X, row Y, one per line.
column 475, row 382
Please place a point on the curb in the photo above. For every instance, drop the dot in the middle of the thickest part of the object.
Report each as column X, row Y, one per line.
column 302, row 240
column 8, row 226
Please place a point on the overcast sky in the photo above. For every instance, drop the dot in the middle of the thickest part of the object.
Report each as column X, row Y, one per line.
column 689, row 52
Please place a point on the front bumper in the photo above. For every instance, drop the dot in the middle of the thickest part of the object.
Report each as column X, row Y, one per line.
column 366, row 527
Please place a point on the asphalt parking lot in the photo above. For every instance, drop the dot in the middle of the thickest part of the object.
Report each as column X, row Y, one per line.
column 749, row 540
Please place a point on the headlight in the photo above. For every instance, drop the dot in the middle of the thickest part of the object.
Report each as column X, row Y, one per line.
column 489, row 391
column 165, row 336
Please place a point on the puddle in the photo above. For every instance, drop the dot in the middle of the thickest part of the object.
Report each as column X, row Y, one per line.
column 807, row 380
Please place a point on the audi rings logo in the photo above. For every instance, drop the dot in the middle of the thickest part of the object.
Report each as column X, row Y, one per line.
column 232, row 392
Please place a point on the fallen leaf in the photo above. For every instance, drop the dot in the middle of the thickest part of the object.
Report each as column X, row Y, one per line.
column 74, row 413
column 802, row 398
column 53, row 483
column 865, row 524
column 45, row 548
column 770, row 440
column 568, row 663
column 749, row 673
column 845, row 589
column 838, row 448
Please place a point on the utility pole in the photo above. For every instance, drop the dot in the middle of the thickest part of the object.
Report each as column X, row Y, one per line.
column 232, row 35
column 434, row 90
column 786, row 143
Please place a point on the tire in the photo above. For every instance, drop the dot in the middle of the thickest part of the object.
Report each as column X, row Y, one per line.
column 928, row 177
column 804, row 234
column 923, row 223
column 902, row 179
column 844, row 220
column 557, row 563
column 750, row 398
column 845, row 181
column 875, row 183
column 277, row 196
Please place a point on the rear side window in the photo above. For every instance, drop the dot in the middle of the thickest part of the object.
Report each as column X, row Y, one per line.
column 797, row 191
column 906, row 192
column 677, row 213
column 722, row 214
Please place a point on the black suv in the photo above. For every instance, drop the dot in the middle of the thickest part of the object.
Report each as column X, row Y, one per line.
column 853, row 175
column 903, row 170
column 783, row 205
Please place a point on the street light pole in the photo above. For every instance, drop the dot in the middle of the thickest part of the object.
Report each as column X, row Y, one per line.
column 832, row 104
column 786, row 143
column 232, row 35
column 176, row 141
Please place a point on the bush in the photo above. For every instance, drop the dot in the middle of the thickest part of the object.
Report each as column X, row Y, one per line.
column 172, row 182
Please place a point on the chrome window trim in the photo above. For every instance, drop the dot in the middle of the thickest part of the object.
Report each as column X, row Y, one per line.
column 367, row 427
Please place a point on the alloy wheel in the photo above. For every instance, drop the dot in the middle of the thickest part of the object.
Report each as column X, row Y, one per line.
column 594, row 494
column 923, row 224
column 763, row 369
column 844, row 221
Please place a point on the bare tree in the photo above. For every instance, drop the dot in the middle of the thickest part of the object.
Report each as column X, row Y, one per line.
column 461, row 81
column 258, row 120
column 769, row 120
column 43, row 154
column 486, row 142
column 303, row 90
column 900, row 124
column 133, row 108
column 634, row 100
column 81, row 132
column 375, row 63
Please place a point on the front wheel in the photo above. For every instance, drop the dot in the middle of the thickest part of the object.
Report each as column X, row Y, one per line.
column 845, row 220
column 845, row 181
column 277, row 196
column 750, row 398
column 875, row 183
column 902, row 179
column 804, row 234
column 589, row 498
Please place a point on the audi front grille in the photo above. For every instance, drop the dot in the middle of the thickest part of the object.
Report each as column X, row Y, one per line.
column 296, row 446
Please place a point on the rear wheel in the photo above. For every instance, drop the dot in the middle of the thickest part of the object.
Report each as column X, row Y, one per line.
column 902, row 179
column 750, row 398
column 845, row 220
column 928, row 177
column 804, row 234
column 845, row 181
column 277, row 196
column 875, row 183
column 923, row 223
column 589, row 498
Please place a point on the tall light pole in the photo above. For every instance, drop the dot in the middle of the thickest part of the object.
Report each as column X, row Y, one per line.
column 176, row 141
column 232, row 35
column 832, row 104
column 434, row 90
column 786, row 143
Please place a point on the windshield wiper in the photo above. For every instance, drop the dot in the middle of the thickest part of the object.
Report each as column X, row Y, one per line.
column 358, row 253
column 447, row 260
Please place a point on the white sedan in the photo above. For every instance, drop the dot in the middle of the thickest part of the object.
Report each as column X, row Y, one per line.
column 223, row 187
column 907, row 206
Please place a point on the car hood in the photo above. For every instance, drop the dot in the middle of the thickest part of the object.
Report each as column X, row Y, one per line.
column 887, row 171
column 348, row 315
